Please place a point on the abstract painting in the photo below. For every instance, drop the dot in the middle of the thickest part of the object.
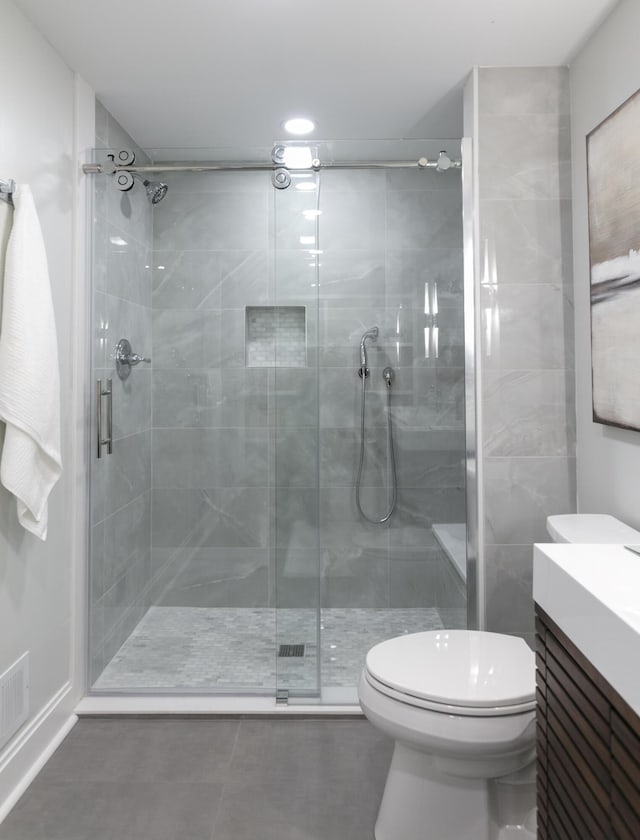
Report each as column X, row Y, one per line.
column 613, row 177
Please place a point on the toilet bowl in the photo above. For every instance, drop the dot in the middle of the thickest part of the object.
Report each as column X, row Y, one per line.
column 460, row 705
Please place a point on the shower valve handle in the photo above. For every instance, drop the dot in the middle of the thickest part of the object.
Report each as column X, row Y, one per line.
column 135, row 359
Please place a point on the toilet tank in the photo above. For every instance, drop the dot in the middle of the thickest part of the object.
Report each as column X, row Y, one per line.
column 590, row 528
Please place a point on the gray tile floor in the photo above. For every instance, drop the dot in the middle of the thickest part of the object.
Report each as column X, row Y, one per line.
column 214, row 649
column 207, row 779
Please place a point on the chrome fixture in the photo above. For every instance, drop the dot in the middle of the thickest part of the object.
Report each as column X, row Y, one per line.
column 372, row 333
column 126, row 359
column 7, row 189
column 155, row 190
column 108, row 440
column 388, row 376
column 442, row 164
column 281, row 178
column 122, row 163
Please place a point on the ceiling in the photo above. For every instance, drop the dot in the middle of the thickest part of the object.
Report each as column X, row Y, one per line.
column 211, row 73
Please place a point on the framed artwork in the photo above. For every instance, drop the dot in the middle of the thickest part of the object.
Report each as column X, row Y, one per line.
column 613, row 178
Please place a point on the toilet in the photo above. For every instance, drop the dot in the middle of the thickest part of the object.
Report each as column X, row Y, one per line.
column 460, row 705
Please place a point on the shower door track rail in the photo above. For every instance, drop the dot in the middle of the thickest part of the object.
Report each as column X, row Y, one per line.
column 247, row 166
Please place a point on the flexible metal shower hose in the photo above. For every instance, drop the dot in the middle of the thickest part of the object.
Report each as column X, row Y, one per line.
column 392, row 458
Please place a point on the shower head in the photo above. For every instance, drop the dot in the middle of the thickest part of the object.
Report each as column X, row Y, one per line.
column 370, row 333
column 156, row 190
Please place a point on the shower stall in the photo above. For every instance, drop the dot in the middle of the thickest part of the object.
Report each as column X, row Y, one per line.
column 229, row 551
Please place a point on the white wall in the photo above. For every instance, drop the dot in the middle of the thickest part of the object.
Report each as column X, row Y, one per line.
column 603, row 75
column 40, row 127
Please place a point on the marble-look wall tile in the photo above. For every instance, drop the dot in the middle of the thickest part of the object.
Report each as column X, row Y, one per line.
column 122, row 266
column 186, row 279
column 122, row 603
column 525, row 156
column 428, row 398
column 340, row 523
column 430, row 459
column 296, row 457
column 356, row 576
column 296, row 578
column 529, row 241
column 423, row 219
column 186, row 338
column 217, row 517
column 341, row 396
column 131, row 400
column 407, row 271
column 121, row 477
column 202, row 458
column 351, row 221
column 521, row 492
column 372, row 182
column 508, row 582
column 340, row 456
column 528, row 326
column 219, row 182
column 529, row 412
column 214, row 397
column 427, row 180
column 524, row 90
column 293, row 397
column 353, row 278
column 423, row 577
column 244, row 278
column 127, row 537
column 210, row 577
column 418, row 509
column 211, row 222
column 296, row 518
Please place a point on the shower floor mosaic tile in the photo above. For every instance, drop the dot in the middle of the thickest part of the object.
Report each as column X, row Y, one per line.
column 234, row 649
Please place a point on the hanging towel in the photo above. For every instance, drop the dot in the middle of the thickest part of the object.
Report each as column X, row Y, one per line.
column 29, row 376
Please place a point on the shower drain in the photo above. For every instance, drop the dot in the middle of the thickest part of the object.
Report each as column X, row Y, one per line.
column 291, row 650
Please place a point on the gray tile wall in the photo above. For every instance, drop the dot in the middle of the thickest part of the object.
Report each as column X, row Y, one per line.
column 120, row 567
column 527, row 334
column 212, row 446
column 248, row 463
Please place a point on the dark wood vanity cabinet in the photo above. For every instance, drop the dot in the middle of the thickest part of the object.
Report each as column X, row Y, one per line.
column 588, row 746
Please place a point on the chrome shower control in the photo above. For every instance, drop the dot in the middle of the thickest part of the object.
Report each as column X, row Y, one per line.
column 126, row 358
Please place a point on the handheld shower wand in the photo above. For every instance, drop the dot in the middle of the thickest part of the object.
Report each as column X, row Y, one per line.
column 387, row 375
column 371, row 333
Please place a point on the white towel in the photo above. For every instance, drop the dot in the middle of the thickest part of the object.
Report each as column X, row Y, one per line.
column 29, row 376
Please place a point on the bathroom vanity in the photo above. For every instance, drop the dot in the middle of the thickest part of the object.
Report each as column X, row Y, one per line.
column 587, row 600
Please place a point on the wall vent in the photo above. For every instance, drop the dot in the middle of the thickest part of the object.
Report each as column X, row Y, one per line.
column 14, row 698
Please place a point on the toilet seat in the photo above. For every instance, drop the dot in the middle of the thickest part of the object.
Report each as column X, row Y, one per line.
column 462, row 672
column 448, row 708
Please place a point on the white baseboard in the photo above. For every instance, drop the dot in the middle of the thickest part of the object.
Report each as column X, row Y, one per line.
column 32, row 747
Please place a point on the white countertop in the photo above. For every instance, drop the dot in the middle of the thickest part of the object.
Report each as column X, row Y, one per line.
column 592, row 592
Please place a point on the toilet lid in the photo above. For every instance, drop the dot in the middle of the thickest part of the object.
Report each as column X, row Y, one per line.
column 457, row 667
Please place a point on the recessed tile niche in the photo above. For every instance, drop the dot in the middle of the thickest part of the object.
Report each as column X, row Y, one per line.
column 276, row 336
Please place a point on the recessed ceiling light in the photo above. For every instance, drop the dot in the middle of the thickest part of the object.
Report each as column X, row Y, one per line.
column 299, row 125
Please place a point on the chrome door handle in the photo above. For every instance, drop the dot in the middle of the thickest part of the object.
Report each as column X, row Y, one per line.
column 108, row 393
